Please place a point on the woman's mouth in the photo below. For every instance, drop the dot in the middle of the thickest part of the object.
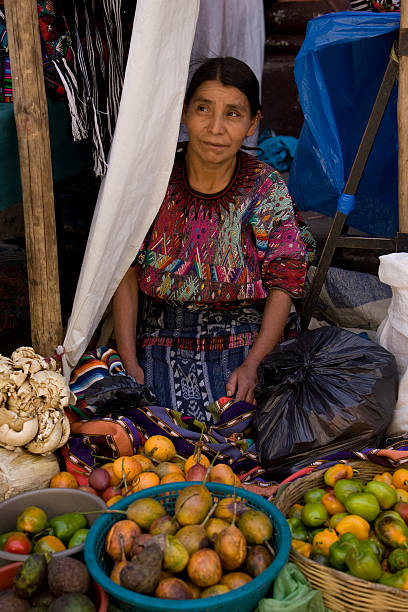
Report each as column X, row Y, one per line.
column 214, row 145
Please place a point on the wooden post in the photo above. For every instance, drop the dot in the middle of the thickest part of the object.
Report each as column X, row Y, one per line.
column 403, row 121
column 31, row 116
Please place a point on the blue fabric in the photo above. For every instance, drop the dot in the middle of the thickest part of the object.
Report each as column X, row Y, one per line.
column 277, row 151
column 338, row 72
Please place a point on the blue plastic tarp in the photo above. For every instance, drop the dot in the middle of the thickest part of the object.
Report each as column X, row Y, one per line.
column 338, row 72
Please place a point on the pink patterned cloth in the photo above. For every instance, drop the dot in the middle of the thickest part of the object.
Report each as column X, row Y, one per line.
column 232, row 246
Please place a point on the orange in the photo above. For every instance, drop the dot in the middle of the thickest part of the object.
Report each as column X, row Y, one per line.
column 114, row 480
column 64, row 480
column 164, row 468
column 145, row 462
column 400, row 479
column 114, row 499
column 126, row 467
column 193, row 459
column 160, row 448
column 50, row 544
column 222, row 473
column 172, row 477
column 144, row 481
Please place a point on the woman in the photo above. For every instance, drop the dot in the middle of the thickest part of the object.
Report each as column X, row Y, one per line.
column 221, row 262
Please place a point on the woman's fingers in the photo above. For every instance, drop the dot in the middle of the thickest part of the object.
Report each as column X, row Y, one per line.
column 231, row 385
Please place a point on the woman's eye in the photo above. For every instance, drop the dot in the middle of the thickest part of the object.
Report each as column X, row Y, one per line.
column 202, row 108
column 233, row 114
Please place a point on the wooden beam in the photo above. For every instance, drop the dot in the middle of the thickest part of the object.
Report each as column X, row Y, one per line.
column 31, row 116
column 403, row 120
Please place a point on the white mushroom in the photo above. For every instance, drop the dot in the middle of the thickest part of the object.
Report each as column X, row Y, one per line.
column 53, row 387
column 66, row 430
column 24, row 400
column 44, row 444
column 18, row 377
column 15, row 431
column 26, row 359
column 6, row 365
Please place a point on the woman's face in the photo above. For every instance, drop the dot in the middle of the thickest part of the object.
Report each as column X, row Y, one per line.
column 218, row 119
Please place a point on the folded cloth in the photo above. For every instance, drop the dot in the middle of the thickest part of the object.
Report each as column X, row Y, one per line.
column 277, row 151
column 292, row 593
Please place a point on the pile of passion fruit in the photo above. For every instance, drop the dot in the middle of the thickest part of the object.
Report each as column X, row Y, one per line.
column 204, row 549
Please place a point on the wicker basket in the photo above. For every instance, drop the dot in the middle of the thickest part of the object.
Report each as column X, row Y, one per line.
column 341, row 592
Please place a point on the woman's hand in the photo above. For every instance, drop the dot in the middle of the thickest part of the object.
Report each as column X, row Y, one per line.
column 136, row 371
column 242, row 382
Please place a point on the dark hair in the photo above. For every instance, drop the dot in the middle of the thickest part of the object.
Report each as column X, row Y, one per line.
column 231, row 72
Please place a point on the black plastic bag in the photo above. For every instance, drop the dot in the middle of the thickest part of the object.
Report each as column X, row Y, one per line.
column 112, row 393
column 324, row 391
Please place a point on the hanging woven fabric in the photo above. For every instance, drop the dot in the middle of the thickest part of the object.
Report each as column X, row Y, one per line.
column 97, row 41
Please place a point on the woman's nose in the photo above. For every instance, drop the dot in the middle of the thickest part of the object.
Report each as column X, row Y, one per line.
column 216, row 125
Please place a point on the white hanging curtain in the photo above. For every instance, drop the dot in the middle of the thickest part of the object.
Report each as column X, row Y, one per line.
column 140, row 161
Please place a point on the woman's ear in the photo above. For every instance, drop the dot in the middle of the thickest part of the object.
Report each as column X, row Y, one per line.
column 254, row 123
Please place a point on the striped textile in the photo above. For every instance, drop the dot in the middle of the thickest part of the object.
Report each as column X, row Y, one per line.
column 94, row 366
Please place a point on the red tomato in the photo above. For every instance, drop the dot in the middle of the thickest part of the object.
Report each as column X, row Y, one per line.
column 18, row 543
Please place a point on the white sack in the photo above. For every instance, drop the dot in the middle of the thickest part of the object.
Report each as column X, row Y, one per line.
column 392, row 334
column 141, row 159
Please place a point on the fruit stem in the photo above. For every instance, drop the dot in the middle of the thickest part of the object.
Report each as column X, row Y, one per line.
column 210, row 513
column 180, row 457
column 209, row 468
column 269, row 547
column 102, row 457
column 124, row 477
column 235, row 511
column 199, row 446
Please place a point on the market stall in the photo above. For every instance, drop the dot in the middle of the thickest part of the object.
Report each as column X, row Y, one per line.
column 176, row 497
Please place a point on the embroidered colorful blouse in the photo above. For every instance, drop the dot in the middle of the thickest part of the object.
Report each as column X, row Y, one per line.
column 237, row 244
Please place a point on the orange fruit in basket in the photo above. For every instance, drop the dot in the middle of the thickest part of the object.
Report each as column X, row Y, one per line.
column 126, row 467
column 50, row 544
column 114, row 480
column 193, row 459
column 400, row 479
column 63, row 480
column 160, row 448
column 145, row 480
column 145, row 462
column 164, row 468
column 222, row 473
column 172, row 477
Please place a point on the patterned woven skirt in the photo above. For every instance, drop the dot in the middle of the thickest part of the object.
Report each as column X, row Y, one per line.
column 188, row 355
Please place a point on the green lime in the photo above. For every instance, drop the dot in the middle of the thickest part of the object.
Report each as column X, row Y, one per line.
column 78, row 538
column 314, row 514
